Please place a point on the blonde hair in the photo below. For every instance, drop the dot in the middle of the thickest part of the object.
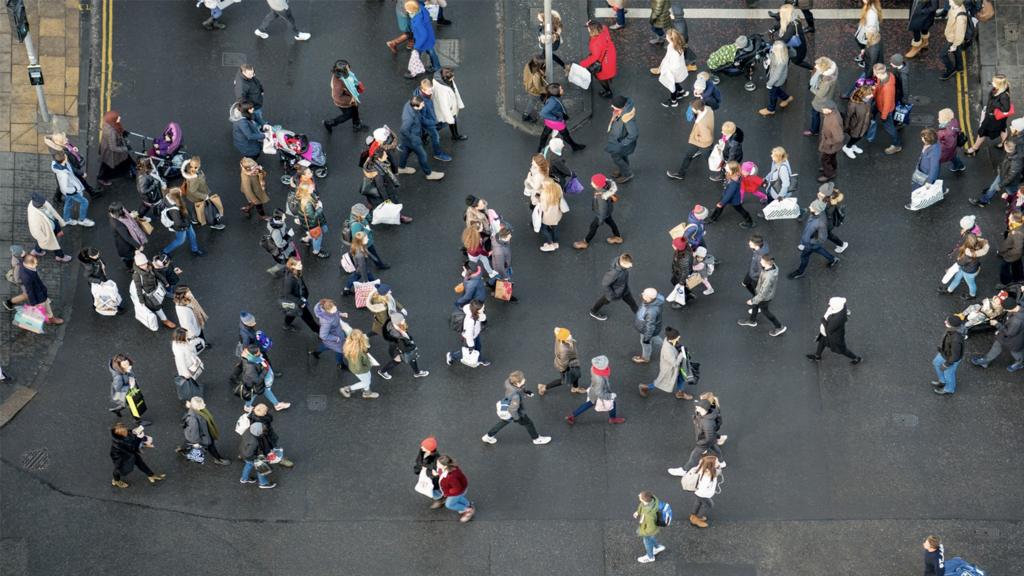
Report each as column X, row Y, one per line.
column 356, row 343
column 873, row 37
column 732, row 168
column 1000, row 83
column 822, row 63
column 780, row 52
column 677, row 40
column 359, row 240
column 471, row 238
column 711, row 398
column 779, row 154
column 551, row 193
column 875, row 5
column 787, row 15
column 304, row 192
column 729, row 128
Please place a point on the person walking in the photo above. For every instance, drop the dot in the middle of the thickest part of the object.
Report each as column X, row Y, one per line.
column 453, row 485
column 115, row 157
column 672, row 70
column 647, row 516
column 885, row 105
column 730, row 144
column 1011, row 267
column 357, row 356
column 261, row 414
column 566, row 362
column 312, row 218
column 46, row 226
column 830, row 141
column 424, row 39
column 122, row 380
column 832, row 331
column 471, row 352
column 682, row 267
column 957, row 24
column 513, row 404
column 191, row 315
column 35, row 289
column 535, row 85
column 129, row 237
column 332, row 330
column 404, row 22
column 412, row 140
column 813, row 240
column 949, row 135
column 835, row 214
column 556, row 36
column 1009, row 174
column 599, row 395
column 253, row 184
column 426, row 465
column 602, row 204
column 448, row 102
column 248, row 335
column 929, row 163
column 764, row 292
column 248, row 88
column 186, row 361
column 246, row 133
column 647, row 321
column 126, row 454
column 731, row 196
column 616, row 287
column 197, row 192
column 951, row 352
column 73, row 190
column 601, row 60
column 554, row 117
column 934, row 562
column 968, row 260
column 201, row 431
column 778, row 71
column 922, row 16
column 382, row 304
column 252, row 450
column 709, row 475
column 823, row 88
column 58, row 142
column 345, row 92
column 151, row 187
column 148, row 289
column 707, row 421
column 673, row 368
column 401, row 348
column 174, row 216
column 998, row 110
column 280, row 9
column 550, row 204
column 758, row 247
column 1009, row 337
column 295, row 298
column 622, row 136
column 359, row 221
column 258, row 378
column 858, row 119
column 360, row 258
column 702, row 136
column 279, row 242
column 792, row 31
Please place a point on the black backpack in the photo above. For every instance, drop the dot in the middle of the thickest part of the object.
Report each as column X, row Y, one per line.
column 457, row 319
column 267, row 243
column 346, row 232
column 971, row 30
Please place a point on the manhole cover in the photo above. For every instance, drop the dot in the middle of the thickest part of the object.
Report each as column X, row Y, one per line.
column 907, row 420
column 1012, row 31
column 448, row 52
column 316, row 402
column 987, row 532
column 232, row 59
column 35, row 460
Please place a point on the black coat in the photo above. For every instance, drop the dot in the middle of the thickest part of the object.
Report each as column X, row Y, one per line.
column 733, row 151
column 952, row 346
column 835, row 330
column 124, row 451
column 1011, row 331
column 123, row 241
column 268, row 429
column 253, row 378
column 615, row 281
column 705, row 428
column 428, row 461
column 922, row 15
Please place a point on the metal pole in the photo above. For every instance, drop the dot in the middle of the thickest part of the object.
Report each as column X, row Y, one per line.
column 549, row 72
column 33, row 60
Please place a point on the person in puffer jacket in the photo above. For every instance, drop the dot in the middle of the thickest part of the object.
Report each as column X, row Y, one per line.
column 599, row 396
column 603, row 204
column 332, row 332
column 514, row 392
column 647, row 322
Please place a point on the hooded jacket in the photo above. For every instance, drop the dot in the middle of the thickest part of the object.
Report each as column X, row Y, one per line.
column 952, row 346
column 249, row 89
column 732, row 150
column 929, row 162
column 254, row 374
column 197, row 430
column 815, row 231
column 615, row 281
column 423, row 30
column 823, row 87
column 515, row 400
column 1012, row 246
column 600, row 388
column 694, row 232
column 1011, row 169
column 754, row 269
column 858, row 118
column 447, row 100
column 412, row 123
column 602, row 204
column 623, row 131
column 565, row 355
column 245, row 134
column 66, row 179
column 834, row 328
column 473, row 289
column 705, row 427
column 120, row 382
column 766, row 284
column 1010, row 332
column 647, row 320
column 331, row 333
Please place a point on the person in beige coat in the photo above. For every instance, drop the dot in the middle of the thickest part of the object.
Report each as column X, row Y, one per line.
column 115, row 157
column 45, row 225
column 671, row 365
column 830, row 141
column 550, row 206
column 702, row 136
column 254, row 187
column 197, row 192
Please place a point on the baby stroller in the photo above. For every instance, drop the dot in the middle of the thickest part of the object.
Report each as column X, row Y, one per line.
column 166, row 154
column 976, row 317
column 741, row 57
column 295, row 150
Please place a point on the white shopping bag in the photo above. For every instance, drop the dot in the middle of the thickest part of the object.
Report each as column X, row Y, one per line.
column 677, row 295
column 950, row 272
column 433, row 10
column 470, row 357
column 416, row 63
column 387, row 212
column 782, row 209
column 579, row 76
column 424, row 485
column 715, row 159
column 926, row 195
column 535, row 218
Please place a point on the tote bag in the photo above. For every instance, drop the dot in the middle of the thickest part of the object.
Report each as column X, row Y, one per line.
column 579, row 76
column 424, row 485
column 715, row 159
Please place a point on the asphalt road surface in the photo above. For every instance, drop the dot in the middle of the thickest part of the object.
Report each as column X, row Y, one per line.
column 833, row 468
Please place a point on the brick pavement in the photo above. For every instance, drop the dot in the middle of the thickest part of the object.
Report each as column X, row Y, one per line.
column 1001, row 51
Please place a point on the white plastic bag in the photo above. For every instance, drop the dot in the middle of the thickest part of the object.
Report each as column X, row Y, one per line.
column 347, row 264
column 950, row 272
column 579, row 76
column 536, row 218
column 926, row 195
column 677, row 295
column 387, row 212
column 105, row 298
column 470, row 357
column 144, row 315
column 242, row 424
column 689, row 480
column 715, row 158
column 424, row 485
column 782, row 209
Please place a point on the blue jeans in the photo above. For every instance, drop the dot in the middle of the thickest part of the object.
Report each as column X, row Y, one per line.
column 680, row 383
column 550, row 233
column 356, row 276
column 83, row 206
column 457, row 503
column 268, row 394
column 805, row 255
column 179, row 239
column 319, row 241
column 649, row 543
column 588, row 405
column 257, row 115
column 888, row 125
column 620, row 17
column 433, row 57
column 435, row 139
column 966, row 277
column 421, row 155
column 247, row 473
column 993, row 189
column 947, row 376
column 338, row 356
column 776, row 93
column 477, row 345
column 660, row 33
column 815, row 121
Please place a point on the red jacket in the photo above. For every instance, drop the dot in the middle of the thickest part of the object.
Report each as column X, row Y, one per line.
column 454, row 482
column 885, row 97
column 602, row 48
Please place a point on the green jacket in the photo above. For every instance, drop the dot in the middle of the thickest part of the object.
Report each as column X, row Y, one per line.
column 360, row 364
column 661, row 14
column 648, row 516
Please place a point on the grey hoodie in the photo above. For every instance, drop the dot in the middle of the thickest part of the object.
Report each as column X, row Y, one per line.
column 515, row 400
column 766, row 284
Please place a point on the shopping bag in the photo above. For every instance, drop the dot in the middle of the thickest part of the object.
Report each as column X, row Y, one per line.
column 424, row 485
column 677, row 295
column 387, row 212
column 470, row 357
column 433, row 10
column 667, row 80
column 144, row 315
column 146, row 226
column 105, row 298
column 136, row 402
column 347, row 264
column 261, row 466
column 693, row 280
column 275, row 456
column 605, row 405
column 363, row 290
column 242, row 424
column 689, row 480
column 926, row 195
column 678, row 230
column 416, row 63
column 503, row 290
column 782, row 209
column 196, row 455
column 901, row 114
column 579, row 76
column 563, row 205
column 950, row 272
column 30, row 318
column 535, row 218
column 715, row 159
column 573, row 186
column 268, row 143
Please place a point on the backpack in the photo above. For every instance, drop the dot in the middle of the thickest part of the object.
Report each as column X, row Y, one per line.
column 664, row 517
column 165, row 219
column 971, row 30
column 501, row 407
column 267, row 243
column 457, row 319
column 346, row 232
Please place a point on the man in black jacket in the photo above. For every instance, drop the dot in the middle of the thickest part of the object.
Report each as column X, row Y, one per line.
column 249, row 88
column 947, row 360
column 1009, row 335
column 706, row 423
column 616, row 287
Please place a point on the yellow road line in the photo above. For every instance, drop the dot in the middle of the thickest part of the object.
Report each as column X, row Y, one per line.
column 967, row 100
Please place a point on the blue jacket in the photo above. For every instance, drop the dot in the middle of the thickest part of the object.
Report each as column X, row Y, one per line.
column 553, row 110
column 423, row 30
column 711, row 96
column 34, row 287
column 815, row 231
column 731, row 195
column 247, row 137
column 412, row 124
column 331, row 333
column 647, row 319
column 429, row 119
column 694, row 234
column 929, row 162
column 475, row 289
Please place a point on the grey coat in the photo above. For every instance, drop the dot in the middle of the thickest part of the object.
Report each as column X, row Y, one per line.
column 600, row 389
column 766, row 284
column 648, row 318
column 197, row 431
column 823, row 87
column 754, row 271
column 615, row 281
column 119, row 384
column 778, row 72
column 668, row 367
column 515, row 400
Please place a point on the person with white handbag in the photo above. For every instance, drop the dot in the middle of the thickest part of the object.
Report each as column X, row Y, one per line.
column 425, row 469
column 599, row 396
column 471, row 353
column 709, row 478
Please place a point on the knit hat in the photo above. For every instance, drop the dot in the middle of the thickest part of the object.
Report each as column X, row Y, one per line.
column 599, row 366
column 556, row 145
column 197, row 403
column 649, row 293
column 383, row 289
column 700, row 252
column 1009, row 303
column 247, row 318
column 896, row 60
column 700, row 212
column 703, row 404
column 954, row 321
column 562, row 334
column 741, row 42
column 619, row 102
column 360, row 210
column 748, row 168
column 256, row 428
column 967, row 222
column 679, row 243
column 429, row 443
column 817, row 207
column 1017, row 125
column 140, row 259
column 381, row 135
column 699, row 85
column 38, row 200
column 598, row 180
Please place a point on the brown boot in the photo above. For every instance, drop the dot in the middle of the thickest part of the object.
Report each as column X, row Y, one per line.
column 697, row 521
column 580, row 245
column 643, row 390
column 437, row 504
column 924, row 41
column 915, row 49
column 683, row 395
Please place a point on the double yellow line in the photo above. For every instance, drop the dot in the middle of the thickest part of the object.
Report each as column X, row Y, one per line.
column 963, row 99
column 106, row 58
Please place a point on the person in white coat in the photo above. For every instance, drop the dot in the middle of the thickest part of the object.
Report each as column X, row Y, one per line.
column 709, row 476
column 186, row 360
column 448, row 101
column 46, row 226
column 191, row 315
column 673, row 70
column 672, row 365
column 73, row 190
column 471, row 352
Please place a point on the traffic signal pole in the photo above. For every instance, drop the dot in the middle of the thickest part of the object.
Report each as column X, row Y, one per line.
column 19, row 26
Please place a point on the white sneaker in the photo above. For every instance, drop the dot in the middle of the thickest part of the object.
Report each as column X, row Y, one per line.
column 849, row 153
column 645, row 559
column 800, row 247
column 488, row 439
column 407, row 170
column 677, row 471
column 302, row 36
column 541, row 440
column 841, row 249
column 71, row 222
column 86, row 222
column 659, row 549
column 435, row 175
column 722, row 439
column 857, row 149
column 548, row 248
column 709, row 292
column 261, row 33
column 493, row 273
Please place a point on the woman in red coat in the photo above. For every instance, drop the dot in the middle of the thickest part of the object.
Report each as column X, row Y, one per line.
column 602, row 57
column 453, row 485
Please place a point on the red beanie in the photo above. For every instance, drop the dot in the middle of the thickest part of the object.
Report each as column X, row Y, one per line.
column 598, row 180
column 679, row 243
column 429, row 443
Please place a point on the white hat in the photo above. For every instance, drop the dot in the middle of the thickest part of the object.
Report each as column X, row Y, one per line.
column 701, row 251
column 140, row 259
column 967, row 222
column 381, row 134
column 556, row 145
column 1017, row 125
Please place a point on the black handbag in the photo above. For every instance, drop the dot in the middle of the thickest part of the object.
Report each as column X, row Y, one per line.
column 594, row 67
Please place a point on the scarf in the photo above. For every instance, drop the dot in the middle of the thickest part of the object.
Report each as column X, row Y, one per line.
column 214, row 434
column 133, row 227
column 351, row 83
column 197, row 309
column 835, row 304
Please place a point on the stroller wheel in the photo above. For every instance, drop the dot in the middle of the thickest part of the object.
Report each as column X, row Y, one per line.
column 286, row 180
column 320, row 172
column 715, row 79
column 750, row 86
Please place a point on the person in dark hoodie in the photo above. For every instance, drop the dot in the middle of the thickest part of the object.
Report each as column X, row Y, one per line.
column 248, row 335
column 412, row 140
column 832, row 331
column 261, row 414
column 295, row 298
column 426, row 459
column 401, row 348
column 647, row 322
column 514, row 392
column 248, row 88
column 763, row 294
column 1009, row 336
column 151, row 188
column 246, row 133
column 345, row 92
column 758, row 247
column 428, row 118
column 331, row 333
column 129, row 237
column 947, row 359
column 731, row 196
column 707, row 420
column 252, row 448
column 731, row 142
column 934, row 563
column 622, row 136
column 616, row 287
column 603, row 204
column 258, row 378
column 200, row 431
column 682, row 267
column 126, row 454
column 813, row 240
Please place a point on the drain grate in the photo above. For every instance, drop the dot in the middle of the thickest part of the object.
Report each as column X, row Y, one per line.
column 449, row 52
column 232, row 59
column 35, row 460
column 907, row 420
column 316, row 402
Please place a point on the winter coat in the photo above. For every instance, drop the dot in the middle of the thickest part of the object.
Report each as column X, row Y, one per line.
column 533, row 83
column 186, row 361
column 340, row 94
column 428, row 119
column 188, row 320
column 929, row 162
column 885, row 97
column 558, row 168
column 600, row 389
column 471, row 327
column 553, row 110
column 473, row 289
column 681, row 265
column 823, row 87
column 711, row 96
column 412, row 124
column 702, row 135
column 1010, row 250
column 1010, row 332
column 766, row 284
column 858, row 118
column 669, row 362
column 151, row 188
column 382, row 307
column 754, row 268
column 331, row 333
column 835, row 330
column 427, row 461
column 246, row 135
column 623, row 132
column 922, row 15
column 66, row 179
column 661, row 14
column 815, row 231
column 113, row 149
column 952, row 346
column 694, row 231
column 124, row 242
column 673, row 64
column 1011, row 169
column 615, row 281
column 647, row 320
column 146, row 282
column 248, row 89
column 195, row 187
column 832, row 137
column 956, row 26
column 732, row 149
column 294, row 289
column 515, row 401
column 124, row 451
column 647, row 515
column 254, row 374
column 705, row 428
column 501, row 255
column 120, row 383
column 602, row 204
column 33, row 286
column 778, row 71
column 731, row 195
column 254, row 186
column 40, row 225
column 602, row 49
column 197, row 429
column 947, row 140
column 447, row 100
column 970, row 260
column 565, row 355
column 453, row 482
column 423, row 31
